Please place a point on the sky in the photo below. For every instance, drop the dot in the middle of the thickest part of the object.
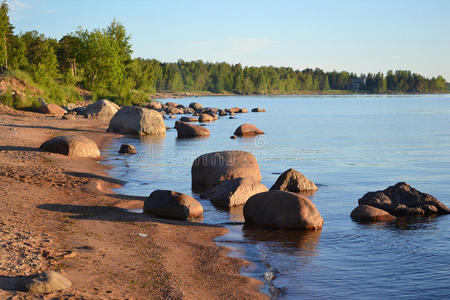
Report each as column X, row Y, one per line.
column 358, row 36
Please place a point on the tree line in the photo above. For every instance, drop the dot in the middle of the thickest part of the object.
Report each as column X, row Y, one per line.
column 101, row 61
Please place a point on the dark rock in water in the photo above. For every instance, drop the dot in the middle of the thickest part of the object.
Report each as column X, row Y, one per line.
column 233, row 137
column 172, row 205
column 189, row 119
column 232, row 118
column 155, row 105
column 46, row 282
column 188, row 110
column 258, row 110
column 282, row 210
column 173, row 110
column 367, row 213
column 243, row 110
column 137, row 120
column 212, row 168
column 233, row 110
column 233, row 192
column 190, row 130
column 247, row 129
column 195, row 106
column 127, row 149
column 404, row 200
column 222, row 112
column 74, row 146
column 293, row 181
column 205, row 118
column 53, row 109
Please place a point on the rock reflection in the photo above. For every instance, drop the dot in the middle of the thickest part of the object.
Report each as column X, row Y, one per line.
column 404, row 223
column 294, row 242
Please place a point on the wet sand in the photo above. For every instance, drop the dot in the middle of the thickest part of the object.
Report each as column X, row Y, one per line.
column 59, row 213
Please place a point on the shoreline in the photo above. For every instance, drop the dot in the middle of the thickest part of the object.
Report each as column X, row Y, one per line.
column 84, row 231
column 180, row 95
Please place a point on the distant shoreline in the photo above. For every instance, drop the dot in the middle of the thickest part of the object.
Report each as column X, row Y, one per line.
column 167, row 95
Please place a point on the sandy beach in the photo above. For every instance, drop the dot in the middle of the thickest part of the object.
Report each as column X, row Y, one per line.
column 60, row 213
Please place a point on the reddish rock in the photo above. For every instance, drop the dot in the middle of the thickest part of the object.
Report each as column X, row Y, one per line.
column 74, row 146
column 53, row 109
column 247, row 129
column 185, row 129
column 367, row 213
column 172, row 205
column 293, row 181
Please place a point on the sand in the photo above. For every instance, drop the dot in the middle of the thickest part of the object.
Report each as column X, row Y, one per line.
column 59, row 213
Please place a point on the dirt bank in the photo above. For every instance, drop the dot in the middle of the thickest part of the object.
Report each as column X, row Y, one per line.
column 59, row 213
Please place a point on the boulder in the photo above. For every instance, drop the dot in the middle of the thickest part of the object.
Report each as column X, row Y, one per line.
column 247, row 129
column 195, row 106
column 74, row 146
column 185, row 129
column 53, row 109
column 46, row 282
column 188, row 110
column 243, row 110
column 233, row 192
column 213, row 115
column 173, row 110
column 127, row 149
column 70, row 116
column 367, row 213
column 172, row 205
column 222, row 113
column 80, row 110
column 282, row 210
column 172, row 104
column 137, row 120
column 102, row 109
column 293, row 181
column 404, row 200
column 234, row 110
column 155, row 105
column 189, row 119
column 212, row 168
column 256, row 109
column 205, row 118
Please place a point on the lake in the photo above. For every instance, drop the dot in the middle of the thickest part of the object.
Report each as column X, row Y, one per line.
column 347, row 145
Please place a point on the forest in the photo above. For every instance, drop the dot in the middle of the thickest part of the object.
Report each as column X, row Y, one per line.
column 100, row 61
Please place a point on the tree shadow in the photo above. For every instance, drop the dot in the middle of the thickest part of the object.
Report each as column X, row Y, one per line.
column 113, row 214
column 94, row 176
column 53, row 128
column 19, row 148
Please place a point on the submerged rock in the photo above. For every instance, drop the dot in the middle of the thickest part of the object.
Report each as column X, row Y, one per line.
column 256, row 109
column 190, row 130
column 247, row 129
column 282, row 210
column 212, row 168
column 127, row 149
column 404, row 200
column 172, row 205
column 137, row 120
column 233, row 192
column 74, row 146
column 367, row 213
column 293, row 181
column 189, row 119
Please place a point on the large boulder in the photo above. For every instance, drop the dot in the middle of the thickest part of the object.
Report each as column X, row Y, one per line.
column 212, row 168
column 293, row 181
column 367, row 213
column 404, row 200
column 53, row 109
column 247, row 129
column 155, row 105
column 172, row 205
column 205, row 118
column 195, row 106
column 137, row 120
column 46, row 282
column 282, row 210
column 233, row 192
column 74, row 146
column 185, row 129
column 102, row 109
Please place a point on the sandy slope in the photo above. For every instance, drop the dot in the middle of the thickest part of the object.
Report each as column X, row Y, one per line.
column 59, row 213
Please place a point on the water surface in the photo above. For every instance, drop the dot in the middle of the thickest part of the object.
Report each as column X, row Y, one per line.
column 348, row 145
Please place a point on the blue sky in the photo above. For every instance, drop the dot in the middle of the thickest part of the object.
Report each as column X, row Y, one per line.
column 359, row 36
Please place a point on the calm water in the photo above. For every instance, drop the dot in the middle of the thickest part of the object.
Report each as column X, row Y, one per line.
column 348, row 145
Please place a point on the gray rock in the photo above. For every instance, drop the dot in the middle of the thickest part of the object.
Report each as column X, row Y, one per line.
column 137, row 120
column 102, row 110
column 73, row 146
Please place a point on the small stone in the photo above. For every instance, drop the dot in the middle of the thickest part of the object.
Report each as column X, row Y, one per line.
column 127, row 149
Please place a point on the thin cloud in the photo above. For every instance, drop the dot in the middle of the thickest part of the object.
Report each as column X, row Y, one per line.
column 17, row 5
